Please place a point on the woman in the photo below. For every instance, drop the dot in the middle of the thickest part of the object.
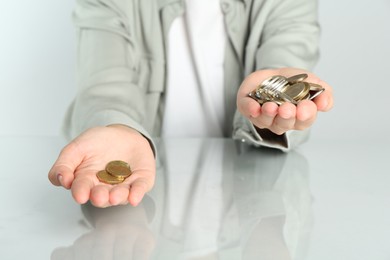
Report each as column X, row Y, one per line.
column 181, row 68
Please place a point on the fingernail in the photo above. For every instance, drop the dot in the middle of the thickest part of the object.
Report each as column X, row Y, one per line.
column 59, row 178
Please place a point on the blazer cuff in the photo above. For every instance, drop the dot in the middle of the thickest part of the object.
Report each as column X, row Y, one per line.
column 105, row 118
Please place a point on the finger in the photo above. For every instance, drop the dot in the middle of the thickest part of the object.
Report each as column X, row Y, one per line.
column 305, row 115
column 248, row 107
column 119, row 195
column 81, row 188
column 62, row 172
column 287, row 111
column 285, row 120
column 268, row 112
column 138, row 189
column 100, row 196
column 324, row 101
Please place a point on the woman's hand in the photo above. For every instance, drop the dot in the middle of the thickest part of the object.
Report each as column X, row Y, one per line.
column 81, row 159
column 280, row 119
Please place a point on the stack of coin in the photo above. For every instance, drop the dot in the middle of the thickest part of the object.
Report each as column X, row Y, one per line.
column 115, row 172
column 280, row 89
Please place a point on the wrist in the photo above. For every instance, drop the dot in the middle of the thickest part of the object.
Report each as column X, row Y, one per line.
column 124, row 127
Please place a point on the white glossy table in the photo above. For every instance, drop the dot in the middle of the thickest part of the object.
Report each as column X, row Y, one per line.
column 213, row 199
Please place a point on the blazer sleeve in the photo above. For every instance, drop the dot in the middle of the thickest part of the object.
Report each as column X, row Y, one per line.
column 285, row 33
column 109, row 88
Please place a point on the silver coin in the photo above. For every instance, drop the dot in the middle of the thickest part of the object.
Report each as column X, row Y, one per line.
column 314, row 94
column 315, row 90
column 316, row 87
column 297, row 78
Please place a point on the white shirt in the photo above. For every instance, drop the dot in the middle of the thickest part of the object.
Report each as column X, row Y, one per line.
column 195, row 96
column 195, row 108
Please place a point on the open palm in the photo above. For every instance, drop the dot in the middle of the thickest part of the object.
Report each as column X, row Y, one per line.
column 81, row 159
column 280, row 119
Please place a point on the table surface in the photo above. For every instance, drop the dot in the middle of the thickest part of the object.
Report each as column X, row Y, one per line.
column 213, row 199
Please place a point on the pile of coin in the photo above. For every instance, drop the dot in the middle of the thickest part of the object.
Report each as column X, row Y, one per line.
column 280, row 89
column 115, row 172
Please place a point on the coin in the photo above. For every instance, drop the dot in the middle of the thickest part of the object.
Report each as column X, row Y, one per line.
column 118, row 168
column 315, row 90
column 316, row 87
column 274, row 83
column 105, row 177
column 282, row 97
column 298, row 91
column 115, row 172
column 280, row 89
column 297, row 78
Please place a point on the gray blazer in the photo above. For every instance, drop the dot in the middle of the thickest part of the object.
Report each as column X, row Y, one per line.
column 122, row 60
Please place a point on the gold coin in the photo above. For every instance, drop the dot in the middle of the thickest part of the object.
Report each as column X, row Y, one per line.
column 297, row 91
column 297, row 78
column 118, row 168
column 105, row 177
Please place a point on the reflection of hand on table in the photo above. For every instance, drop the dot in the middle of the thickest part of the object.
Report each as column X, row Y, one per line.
column 272, row 195
column 81, row 159
column 120, row 233
column 280, row 119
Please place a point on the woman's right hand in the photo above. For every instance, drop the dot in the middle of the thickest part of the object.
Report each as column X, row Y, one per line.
column 81, row 159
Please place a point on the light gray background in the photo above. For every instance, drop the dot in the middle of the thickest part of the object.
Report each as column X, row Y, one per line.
column 37, row 64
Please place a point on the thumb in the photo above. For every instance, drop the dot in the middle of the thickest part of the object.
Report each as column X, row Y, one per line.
column 62, row 171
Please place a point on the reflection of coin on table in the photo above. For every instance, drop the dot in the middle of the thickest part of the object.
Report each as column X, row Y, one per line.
column 280, row 89
column 115, row 172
